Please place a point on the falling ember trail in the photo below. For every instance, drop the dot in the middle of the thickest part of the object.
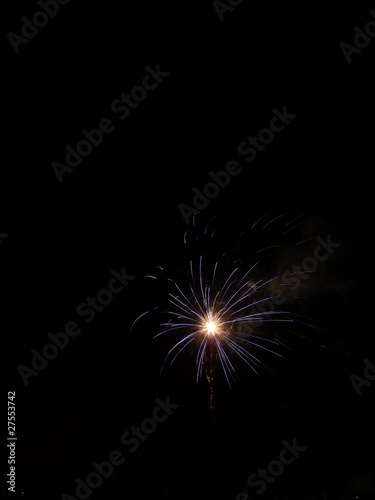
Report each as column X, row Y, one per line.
column 208, row 363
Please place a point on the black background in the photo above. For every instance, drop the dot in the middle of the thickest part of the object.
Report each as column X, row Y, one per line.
column 120, row 208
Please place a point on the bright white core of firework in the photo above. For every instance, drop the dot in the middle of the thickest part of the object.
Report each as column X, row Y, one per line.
column 211, row 327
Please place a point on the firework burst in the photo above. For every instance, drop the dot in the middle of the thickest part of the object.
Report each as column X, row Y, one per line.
column 214, row 317
column 221, row 313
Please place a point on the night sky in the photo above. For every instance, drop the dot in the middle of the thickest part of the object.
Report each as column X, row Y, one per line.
column 203, row 79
